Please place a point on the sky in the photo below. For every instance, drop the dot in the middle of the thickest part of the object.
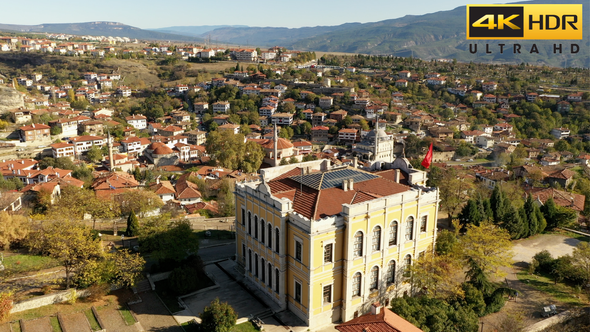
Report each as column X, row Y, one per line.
column 148, row 14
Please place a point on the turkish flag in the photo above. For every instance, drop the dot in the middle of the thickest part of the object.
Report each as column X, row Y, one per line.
column 428, row 158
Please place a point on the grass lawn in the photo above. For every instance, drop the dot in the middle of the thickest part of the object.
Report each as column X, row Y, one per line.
column 244, row 327
column 544, row 283
column 55, row 324
column 92, row 320
column 127, row 316
column 15, row 326
column 217, row 234
column 64, row 308
column 26, row 263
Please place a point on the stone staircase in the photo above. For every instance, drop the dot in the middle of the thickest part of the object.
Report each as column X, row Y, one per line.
column 143, row 286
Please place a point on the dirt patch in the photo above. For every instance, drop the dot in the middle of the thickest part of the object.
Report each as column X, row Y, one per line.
column 113, row 321
column 38, row 325
column 5, row 327
column 135, row 73
column 75, row 323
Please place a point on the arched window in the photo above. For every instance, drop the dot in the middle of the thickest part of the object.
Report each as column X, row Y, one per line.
column 374, row 278
column 256, row 265
column 262, row 272
column 269, row 235
column 376, row 245
column 250, row 260
column 356, row 284
column 410, row 228
column 277, row 239
column 358, row 244
column 262, row 233
column 256, row 227
column 249, row 223
column 393, row 233
column 408, row 260
column 391, row 272
column 270, row 275
column 277, row 275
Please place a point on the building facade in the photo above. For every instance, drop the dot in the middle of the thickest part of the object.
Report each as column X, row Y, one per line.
column 328, row 242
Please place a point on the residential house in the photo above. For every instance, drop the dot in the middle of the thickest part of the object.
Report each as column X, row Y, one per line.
column 338, row 115
column 560, row 133
column 320, row 134
column 59, row 150
column 326, row 102
column 196, row 137
column 282, row 119
column 34, row 132
column 379, row 319
column 234, row 128
column 346, row 135
column 84, row 143
column 137, row 121
column 201, row 107
column 221, row 107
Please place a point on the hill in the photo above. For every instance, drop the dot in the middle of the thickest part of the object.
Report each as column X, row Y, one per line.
column 194, row 30
column 428, row 36
column 114, row 29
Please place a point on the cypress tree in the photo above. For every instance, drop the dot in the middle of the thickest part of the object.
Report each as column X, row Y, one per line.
column 524, row 223
column 497, row 204
column 542, row 223
column 513, row 223
column 132, row 224
column 470, row 213
column 531, row 215
column 549, row 210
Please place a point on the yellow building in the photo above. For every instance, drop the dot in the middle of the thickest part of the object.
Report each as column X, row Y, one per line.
column 327, row 242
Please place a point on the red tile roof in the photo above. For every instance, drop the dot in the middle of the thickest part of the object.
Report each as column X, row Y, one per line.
column 385, row 321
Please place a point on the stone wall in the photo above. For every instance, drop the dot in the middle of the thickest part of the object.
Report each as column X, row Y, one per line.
column 41, row 301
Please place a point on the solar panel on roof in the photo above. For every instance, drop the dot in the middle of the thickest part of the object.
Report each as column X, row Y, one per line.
column 332, row 179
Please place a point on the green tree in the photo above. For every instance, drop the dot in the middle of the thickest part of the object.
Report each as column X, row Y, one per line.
column 127, row 268
column 513, row 223
column 94, row 154
column 488, row 246
column 69, row 242
column 471, row 214
column 581, row 259
column 229, row 150
column 139, row 201
column 218, row 317
column 132, row 225
column 14, row 229
column 168, row 240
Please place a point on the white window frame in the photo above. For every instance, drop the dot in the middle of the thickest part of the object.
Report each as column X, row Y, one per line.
column 331, row 294
column 325, row 244
column 300, row 241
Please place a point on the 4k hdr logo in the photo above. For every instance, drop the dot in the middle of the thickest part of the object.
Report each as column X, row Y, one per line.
column 524, row 21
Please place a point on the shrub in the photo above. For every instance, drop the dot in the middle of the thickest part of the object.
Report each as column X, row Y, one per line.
column 496, row 301
column 544, row 260
column 97, row 292
column 5, row 305
column 46, row 289
column 183, row 280
column 474, row 299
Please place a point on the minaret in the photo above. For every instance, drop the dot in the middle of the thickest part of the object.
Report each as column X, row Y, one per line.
column 111, row 160
column 276, row 138
column 376, row 140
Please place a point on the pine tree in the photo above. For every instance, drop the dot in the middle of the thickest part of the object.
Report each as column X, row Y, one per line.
column 549, row 210
column 542, row 223
column 132, row 224
column 524, row 223
column 513, row 223
column 486, row 209
column 470, row 213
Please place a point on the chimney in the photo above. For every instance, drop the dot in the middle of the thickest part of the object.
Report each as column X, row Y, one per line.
column 158, row 179
column 350, row 184
column 397, row 175
column 355, row 162
column 345, row 185
column 375, row 308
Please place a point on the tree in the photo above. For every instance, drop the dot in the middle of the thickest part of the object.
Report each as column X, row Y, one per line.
column 132, row 225
column 168, row 240
column 229, row 150
column 488, row 246
column 94, row 154
column 497, row 204
column 513, row 223
column 69, row 242
column 127, row 268
column 557, row 216
column 218, row 317
column 139, row 201
column 13, row 229
column 453, row 191
column 471, row 214
column 581, row 259
column 434, row 275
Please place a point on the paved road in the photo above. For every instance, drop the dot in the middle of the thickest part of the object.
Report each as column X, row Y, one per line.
column 218, row 252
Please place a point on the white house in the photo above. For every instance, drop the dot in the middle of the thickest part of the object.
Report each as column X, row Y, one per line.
column 137, row 121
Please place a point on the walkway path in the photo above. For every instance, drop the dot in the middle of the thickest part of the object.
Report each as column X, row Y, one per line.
column 153, row 315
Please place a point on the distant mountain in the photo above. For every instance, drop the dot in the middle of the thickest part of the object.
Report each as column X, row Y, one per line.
column 429, row 36
column 99, row 29
column 269, row 36
column 194, row 30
